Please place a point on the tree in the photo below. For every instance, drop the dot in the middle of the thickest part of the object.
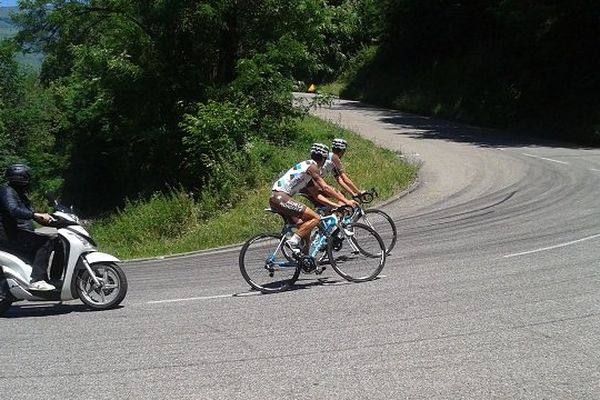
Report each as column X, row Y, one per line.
column 125, row 72
column 28, row 122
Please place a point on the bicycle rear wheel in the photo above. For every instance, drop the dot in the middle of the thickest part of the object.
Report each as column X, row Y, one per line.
column 383, row 225
column 265, row 267
column 358, row 254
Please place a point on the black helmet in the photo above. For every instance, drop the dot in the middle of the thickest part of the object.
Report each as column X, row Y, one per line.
column 18, row 175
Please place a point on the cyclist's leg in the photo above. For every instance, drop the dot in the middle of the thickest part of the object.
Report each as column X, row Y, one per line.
column 306, row 217
column 311, row 220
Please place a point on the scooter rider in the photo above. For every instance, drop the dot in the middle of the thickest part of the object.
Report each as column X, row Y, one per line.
column 17, row 234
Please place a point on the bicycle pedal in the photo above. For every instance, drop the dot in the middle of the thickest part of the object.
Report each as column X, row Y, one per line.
column 348, row 232
column 320, row 270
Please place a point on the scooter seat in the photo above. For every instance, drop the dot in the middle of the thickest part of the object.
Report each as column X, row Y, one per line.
column 12, row 261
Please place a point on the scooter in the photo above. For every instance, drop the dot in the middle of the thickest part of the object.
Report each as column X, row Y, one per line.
column 76, row 268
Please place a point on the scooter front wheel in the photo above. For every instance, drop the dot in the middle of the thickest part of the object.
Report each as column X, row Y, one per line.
column 111, row 290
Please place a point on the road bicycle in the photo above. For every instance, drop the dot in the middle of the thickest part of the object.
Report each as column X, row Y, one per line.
column 374, row 218
column 353, row 250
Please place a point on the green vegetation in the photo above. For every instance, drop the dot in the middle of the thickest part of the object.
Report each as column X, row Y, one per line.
column 178, row 222
column 149, row 95
column 526, row 66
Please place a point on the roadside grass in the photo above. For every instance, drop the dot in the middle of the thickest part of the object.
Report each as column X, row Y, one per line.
column 332, row 88
column 170, row 224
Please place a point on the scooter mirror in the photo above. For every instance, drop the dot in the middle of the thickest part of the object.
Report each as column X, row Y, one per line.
column 51, row 199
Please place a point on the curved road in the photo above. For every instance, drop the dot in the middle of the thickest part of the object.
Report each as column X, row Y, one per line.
column 492, row 292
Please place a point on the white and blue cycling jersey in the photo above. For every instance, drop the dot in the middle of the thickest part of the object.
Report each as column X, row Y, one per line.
column 331, row 167
column 295, row 179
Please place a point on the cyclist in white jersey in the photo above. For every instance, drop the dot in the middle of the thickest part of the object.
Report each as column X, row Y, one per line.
column 294, row 181
column 333, row 166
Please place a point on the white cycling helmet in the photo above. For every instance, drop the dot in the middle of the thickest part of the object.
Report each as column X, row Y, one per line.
column 319, row 150
column 339, row 144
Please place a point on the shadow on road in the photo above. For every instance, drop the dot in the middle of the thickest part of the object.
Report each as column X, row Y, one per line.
column 433, row 128
column 45, row 310
column 303, row 284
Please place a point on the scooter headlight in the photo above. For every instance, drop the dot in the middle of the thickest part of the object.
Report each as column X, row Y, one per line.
column 84, row 241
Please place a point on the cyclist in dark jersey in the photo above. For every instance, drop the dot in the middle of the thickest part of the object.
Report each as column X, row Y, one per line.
column 292, row 182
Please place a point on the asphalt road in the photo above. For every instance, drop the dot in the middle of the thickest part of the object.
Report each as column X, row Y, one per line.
column 491, row 292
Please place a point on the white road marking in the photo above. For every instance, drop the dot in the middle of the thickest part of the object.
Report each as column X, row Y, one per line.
column 544, row 158
column 594, row 169
column 219, row 296
column 552, row 247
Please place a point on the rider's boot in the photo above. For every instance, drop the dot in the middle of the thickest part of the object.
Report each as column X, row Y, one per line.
column 41, row 286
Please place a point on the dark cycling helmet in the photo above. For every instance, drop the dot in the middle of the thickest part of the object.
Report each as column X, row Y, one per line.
column 339, row 144
column 18, row 175
column 319, row 150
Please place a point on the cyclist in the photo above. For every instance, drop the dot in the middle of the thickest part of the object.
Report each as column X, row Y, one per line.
column 291, row 183
column 333, row 166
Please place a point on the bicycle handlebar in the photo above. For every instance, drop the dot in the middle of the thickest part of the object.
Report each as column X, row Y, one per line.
column 366, row 197
column 343, row 211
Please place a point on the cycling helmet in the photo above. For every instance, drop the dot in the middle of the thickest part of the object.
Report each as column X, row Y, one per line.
column 339, row 144
column 18, row 175
column 319, row 150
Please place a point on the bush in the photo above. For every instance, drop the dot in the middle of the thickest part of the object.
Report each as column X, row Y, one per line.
column 213, row 137
column 229, row 209
column 140, row 222
column 363, row 59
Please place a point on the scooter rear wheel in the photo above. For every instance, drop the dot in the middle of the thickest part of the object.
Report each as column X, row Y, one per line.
column 112, row 290
column 5, row 304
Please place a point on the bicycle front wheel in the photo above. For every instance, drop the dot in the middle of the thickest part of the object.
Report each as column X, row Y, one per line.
column 264, row 265
column 357, row 254
column 383, row 225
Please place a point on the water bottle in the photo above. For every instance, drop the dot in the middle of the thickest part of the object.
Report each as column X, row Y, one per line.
column 318, row 244
column 329, row 222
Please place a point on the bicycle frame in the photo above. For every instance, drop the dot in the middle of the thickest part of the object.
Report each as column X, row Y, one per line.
column 318, row 242
column 272, row 258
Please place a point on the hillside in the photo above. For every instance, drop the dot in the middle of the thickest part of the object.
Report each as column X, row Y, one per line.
column 9, row 29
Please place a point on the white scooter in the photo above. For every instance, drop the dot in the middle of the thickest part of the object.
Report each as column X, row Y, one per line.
column 77, row 269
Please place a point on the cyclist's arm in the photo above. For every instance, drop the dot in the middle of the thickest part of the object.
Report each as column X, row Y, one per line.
column 320, row 183
column 342, row 179
column 345, row 182
column 318, row 198
column 321, row 198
